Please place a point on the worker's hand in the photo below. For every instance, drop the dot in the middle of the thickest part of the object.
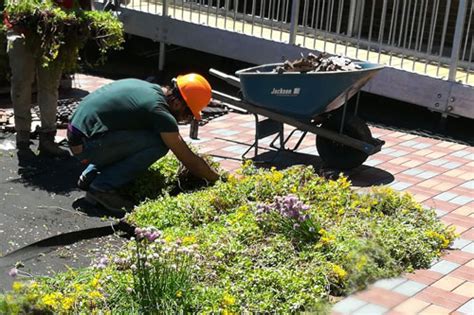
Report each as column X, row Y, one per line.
column 194, row 163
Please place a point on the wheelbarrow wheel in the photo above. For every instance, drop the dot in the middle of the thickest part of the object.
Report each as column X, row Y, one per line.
column 337, row 155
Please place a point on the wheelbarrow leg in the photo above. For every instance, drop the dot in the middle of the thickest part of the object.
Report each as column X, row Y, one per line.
column 284, row 142
column 344, row 109
column 265, row 128
column 356, row 110
column 255, row 142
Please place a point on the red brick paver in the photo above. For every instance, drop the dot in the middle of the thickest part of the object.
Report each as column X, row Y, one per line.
column 383, row 297
column 442, row 298
column 425, row 276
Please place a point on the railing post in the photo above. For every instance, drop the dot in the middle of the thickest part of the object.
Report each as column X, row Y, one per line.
column 165, row 7
column 457, row 40
column 352, row 13
column 295, row 14
column 161, row 60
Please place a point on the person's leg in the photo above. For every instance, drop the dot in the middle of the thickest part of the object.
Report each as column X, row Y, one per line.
column 48, row 84
column 119, row 174
column 22, row 65
column 120, row 156
column 87, row 176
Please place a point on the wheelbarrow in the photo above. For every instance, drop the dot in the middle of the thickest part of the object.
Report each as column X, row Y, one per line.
column 310, row 102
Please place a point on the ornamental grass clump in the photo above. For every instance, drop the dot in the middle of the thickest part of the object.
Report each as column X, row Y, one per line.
column 162, row 275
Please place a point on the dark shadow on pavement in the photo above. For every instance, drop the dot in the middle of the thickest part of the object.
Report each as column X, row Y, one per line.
column 82, row 205
column 54, row 175
column 362, row 176
column 72, row 93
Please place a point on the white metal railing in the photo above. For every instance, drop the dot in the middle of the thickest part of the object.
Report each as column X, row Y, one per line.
column 433, row 37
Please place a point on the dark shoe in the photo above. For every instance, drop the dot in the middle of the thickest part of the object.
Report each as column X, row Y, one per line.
column 48, row 147
column 26, row 157
column 86, row 179
column 110, row 200
column 22, row 139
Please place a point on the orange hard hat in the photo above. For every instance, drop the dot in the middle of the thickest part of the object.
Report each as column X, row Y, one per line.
column 196, row 92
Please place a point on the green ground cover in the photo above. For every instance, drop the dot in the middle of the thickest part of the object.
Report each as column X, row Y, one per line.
column 283, row 241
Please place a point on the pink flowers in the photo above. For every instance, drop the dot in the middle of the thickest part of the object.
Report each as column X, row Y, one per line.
column 13, row 272
column 151, row 234
column 288, row 207
column 290, row 216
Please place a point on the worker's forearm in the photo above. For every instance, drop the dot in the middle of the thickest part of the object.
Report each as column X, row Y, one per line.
column 201, row 169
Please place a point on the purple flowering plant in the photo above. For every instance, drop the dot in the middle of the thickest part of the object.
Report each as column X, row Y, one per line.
column 289, row 215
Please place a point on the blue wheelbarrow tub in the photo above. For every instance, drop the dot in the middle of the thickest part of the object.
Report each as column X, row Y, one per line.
column 302, row 95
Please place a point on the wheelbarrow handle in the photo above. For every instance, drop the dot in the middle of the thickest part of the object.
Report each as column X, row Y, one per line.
column 232, row 80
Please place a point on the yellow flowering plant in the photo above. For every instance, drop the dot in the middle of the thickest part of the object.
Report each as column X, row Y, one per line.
column 241, row 263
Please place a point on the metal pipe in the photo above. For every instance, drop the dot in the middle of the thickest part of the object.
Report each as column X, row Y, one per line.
column 352, row 12
column 434, row 19
column 161, row 58
column 313, row 21
column 468, row 70
column 218, row 6
column 420, row 43
column 194, row 129
column 253, row 16
column 443, row 35
column 344, row 109
column 226, row 9
column 165, row 7
column 329, row 22
column 372, row 17
column 244, row 13
column 295, row 8
column 359, row 32
column 340, row 8
column 270, row 16
column 467, row 35
column 457, row 40
column 382, row 28
column 410, row 38
column 279, row 4
column 209, row 3
column 404, row 28
column 393, row 26
column 323, row 15
column 305, row 20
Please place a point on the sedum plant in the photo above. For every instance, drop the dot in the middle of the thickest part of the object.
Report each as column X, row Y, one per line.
column 274, row 241
column 166, row 176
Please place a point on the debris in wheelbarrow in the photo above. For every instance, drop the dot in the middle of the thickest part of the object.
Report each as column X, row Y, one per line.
column 320, row 63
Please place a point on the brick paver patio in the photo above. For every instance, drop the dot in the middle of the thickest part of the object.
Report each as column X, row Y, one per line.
column 439, row 174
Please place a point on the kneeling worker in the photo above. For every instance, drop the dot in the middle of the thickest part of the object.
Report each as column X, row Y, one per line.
column 119, row 130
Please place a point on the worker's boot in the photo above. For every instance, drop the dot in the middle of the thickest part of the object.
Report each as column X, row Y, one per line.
column 48, row 147
column 110, row 200
column 24, row 152
column 87, row 177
